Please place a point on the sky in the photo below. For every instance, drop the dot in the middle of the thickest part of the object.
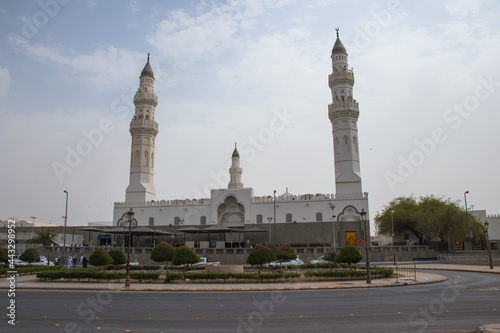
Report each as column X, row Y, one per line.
column 253, row 73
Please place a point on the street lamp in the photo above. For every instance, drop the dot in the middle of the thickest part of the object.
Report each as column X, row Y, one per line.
column 393, row 246
column 367, row 259
column 467, row 220
column 65, row 221
column 32, row 224
column 129, row 220
column 332, row 206
column 274, row 231
column 488, row 248
column 270, row 219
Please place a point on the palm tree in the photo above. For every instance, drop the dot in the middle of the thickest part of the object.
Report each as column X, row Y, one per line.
column 43, row 236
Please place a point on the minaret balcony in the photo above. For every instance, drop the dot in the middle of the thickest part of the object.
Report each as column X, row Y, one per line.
column 143, row 124
column 342, row 77
column 146, row 98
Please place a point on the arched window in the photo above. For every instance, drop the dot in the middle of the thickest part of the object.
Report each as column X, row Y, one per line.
column 146, row 158
column 289, row 217
column 151, row 221
column 259, row 218
column 319, row 217
column 203, row 220
column 176, row 220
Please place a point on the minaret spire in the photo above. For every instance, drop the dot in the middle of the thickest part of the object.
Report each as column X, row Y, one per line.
column 143, row 129
column 235, row 170
column 344, row 113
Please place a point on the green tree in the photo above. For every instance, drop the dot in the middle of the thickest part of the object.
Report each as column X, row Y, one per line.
column 260, row 255
column 428, row 217
column 43, row 236
column 163, row 252
column 330, row 256
column 118, row 256
column 285, row 252
column 348, row 255
column 100, row 257
column 30, row 255
column 4, row 254
column 183, row 255
column 405, row 209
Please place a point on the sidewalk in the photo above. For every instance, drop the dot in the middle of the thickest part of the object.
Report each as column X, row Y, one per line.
column 30, row 282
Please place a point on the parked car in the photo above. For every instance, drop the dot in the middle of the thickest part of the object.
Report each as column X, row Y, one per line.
column 293, row 262
column 42, row 262
column 319, row 260
column 204, row 262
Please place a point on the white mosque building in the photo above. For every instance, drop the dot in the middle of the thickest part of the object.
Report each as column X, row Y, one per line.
column 308, row 218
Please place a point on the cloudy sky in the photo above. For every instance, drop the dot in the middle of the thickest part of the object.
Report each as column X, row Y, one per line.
column 252, row 72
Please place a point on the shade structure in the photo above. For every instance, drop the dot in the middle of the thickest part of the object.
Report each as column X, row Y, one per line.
column 191, row 230
column 218, row 228
column 253, row 229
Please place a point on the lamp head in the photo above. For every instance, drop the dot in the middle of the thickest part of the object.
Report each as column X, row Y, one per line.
column 486, row 225
column 363, row 215
column 130, row 214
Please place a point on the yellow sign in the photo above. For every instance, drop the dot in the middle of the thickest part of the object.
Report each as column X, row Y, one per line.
column 458, row 245
column 350, row 238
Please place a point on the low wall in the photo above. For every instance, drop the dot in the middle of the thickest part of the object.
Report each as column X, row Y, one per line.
column 238, row 256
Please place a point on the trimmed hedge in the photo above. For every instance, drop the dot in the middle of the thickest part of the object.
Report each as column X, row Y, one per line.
column 79, row 274
column 380, row 272
column 135, row 267
column 27, row 270
column 225, row 276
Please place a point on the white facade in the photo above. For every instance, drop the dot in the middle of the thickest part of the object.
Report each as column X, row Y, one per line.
column 237, row 206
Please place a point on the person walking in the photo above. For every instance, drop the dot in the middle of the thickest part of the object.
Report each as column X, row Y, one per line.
column 70, row 261
column 84, row 262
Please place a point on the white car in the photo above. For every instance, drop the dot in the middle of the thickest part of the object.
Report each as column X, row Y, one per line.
column 320, row 260
column 293, row 262
column 42, row 262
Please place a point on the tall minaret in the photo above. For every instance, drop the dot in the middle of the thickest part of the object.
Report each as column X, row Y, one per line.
column 235, row 171
column 343, row 113
column 143, row 129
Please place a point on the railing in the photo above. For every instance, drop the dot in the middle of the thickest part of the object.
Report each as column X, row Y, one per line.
column 407, row 270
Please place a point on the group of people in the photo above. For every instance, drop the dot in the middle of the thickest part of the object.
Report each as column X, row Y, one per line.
column 73, row 261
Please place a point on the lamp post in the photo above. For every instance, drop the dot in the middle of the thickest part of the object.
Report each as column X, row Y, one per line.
column 270, row 219
column 274, row 204
column 367, row 258
column 129, row 220
column 32, row 224
column 332, row 206
column 488, row 248
column 65, row 221
column 393, row 246
column 467, row 220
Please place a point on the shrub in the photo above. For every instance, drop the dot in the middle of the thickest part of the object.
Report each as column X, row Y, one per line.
column 260, row 255
column 30, row 255
column 4, row 255
column 285, row 252
column 118, row 256
column 100, row 257
column 184, row 256
column 349, row 255
column 163, row 252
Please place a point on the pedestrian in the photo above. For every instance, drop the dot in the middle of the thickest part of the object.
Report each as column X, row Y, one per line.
column 84, row 262
column 70, row 261
column 75, row 261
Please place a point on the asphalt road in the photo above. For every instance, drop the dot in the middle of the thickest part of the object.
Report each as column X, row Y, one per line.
column 461, row 304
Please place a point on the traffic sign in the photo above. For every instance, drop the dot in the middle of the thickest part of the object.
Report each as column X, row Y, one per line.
column 361, row 243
